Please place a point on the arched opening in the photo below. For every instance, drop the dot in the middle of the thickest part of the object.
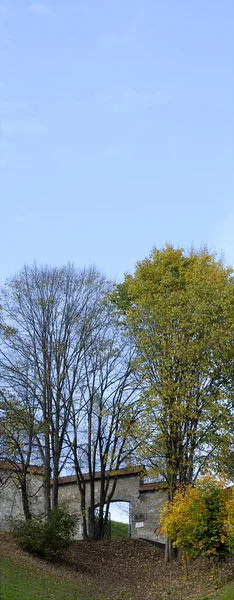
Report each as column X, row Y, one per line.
column 120, row 520
column 115, row 524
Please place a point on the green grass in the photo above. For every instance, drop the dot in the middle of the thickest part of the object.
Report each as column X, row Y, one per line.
column 18, row 583
column 28, row 579
column 226, row 593
column 119, row 531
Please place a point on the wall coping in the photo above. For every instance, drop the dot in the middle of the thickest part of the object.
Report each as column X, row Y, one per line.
column 133, row 471
column 17, row 467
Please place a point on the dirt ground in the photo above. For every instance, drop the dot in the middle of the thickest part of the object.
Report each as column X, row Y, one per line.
column 128, row 567
column 141, row 567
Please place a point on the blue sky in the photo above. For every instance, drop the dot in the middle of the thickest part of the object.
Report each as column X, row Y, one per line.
column 117, row 130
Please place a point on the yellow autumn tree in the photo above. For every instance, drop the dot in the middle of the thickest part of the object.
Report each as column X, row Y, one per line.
column 177, row 308
column 200, row 520
column 230, row 519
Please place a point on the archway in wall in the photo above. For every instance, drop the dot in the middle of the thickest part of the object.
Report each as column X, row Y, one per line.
column 120, row 520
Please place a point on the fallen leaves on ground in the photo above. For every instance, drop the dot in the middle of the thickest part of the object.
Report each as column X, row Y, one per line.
column 128, row 569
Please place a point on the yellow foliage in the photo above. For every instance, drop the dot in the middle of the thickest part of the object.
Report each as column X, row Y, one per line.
column 178, row 309
column 177, row 517
column 230, row 518
column 200, row 519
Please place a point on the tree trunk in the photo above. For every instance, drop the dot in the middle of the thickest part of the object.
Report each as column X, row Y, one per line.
column 91, row 530
column 83, row 510
column 167, row 551
column 47, row 486
column 55, row 482
column 25, row 499
column 84, row 528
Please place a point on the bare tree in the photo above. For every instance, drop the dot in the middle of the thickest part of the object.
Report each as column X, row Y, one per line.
column 49, row 319
column 102, row 418
column 17, row 447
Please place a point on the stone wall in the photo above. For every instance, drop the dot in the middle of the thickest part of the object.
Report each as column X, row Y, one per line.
column 151, row 504
column 11, row 506
column 145, row 501
column 145, row 505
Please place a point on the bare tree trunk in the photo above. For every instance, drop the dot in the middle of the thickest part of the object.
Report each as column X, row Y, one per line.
column 167, row 555
column 47, row 484
column 55, row 481
column 84, row 515
column 25, row 498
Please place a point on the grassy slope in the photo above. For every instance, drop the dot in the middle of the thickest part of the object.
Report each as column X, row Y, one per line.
column 119, row 531
column 17, row 583
column 121, row 570
column 226, row 593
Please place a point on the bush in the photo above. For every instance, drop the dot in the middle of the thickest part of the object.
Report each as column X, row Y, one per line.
column 47, row 538
column 230, row 519
column 200, row 520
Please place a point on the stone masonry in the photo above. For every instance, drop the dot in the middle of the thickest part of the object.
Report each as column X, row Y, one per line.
column 11, row 506
column 145, row 499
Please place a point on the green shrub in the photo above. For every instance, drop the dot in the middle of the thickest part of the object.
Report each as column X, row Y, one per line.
column 199, row 519
column 230, row 519
column 47, row 538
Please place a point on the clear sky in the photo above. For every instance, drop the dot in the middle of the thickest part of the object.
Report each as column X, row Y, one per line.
column 117, row 130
